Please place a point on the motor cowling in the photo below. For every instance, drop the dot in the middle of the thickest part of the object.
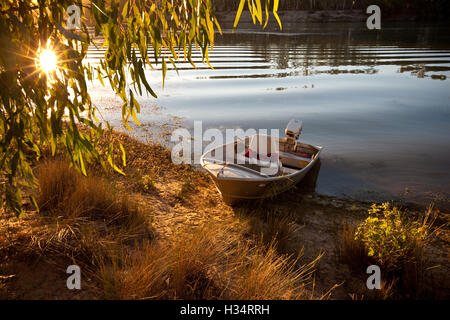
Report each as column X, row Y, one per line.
column 293, row 129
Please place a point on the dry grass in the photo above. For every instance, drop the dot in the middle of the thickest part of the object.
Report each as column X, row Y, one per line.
column 271, row 228
column 56, row 181
column 266, row 275
column 83, row 219
column 77, row 240
column 186, row 267
column 281, row 231
column 353, row 251
column 385, row 292
column 178, row 269
column 209, row 262
column 63, row 192
column 199, row 262
column 134, row 274
column 74, row 239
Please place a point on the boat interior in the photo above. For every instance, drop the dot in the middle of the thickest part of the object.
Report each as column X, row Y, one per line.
column 259, row 156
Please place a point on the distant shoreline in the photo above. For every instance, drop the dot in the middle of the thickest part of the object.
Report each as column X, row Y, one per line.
column 301, row 16
column 319, row 16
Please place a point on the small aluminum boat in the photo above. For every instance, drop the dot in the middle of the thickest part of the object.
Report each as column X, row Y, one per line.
column 260, row 166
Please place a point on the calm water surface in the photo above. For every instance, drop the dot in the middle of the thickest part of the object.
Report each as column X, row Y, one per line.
column 379, row 102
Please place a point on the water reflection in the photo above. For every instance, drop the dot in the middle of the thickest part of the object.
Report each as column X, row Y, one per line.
column 344, row 52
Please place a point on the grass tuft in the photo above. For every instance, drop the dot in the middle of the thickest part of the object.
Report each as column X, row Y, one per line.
column 266, row 275
column 63, row 192
column 135, row 274
column 56, row 181
column 353, row 251
column 83, row 218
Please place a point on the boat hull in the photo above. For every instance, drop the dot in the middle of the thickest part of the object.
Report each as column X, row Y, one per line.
column 236, row 190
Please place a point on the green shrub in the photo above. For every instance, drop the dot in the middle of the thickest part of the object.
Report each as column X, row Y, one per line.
column 185, row 188
column 389, row 238
column 146, row 183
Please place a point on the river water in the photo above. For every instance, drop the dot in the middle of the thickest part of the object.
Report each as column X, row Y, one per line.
column 377, row 101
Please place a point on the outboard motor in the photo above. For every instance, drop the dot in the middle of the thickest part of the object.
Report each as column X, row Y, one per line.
column 293, row 130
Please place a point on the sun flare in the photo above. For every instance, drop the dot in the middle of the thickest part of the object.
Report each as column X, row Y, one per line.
column 47, row 60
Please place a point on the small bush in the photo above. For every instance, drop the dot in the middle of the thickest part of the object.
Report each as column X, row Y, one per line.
column 146, row 183
column 185, row 188
column 389, row 238
column 141, row 182
column 396, row 244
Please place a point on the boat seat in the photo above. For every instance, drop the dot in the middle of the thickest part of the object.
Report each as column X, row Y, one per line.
column 262, row 156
